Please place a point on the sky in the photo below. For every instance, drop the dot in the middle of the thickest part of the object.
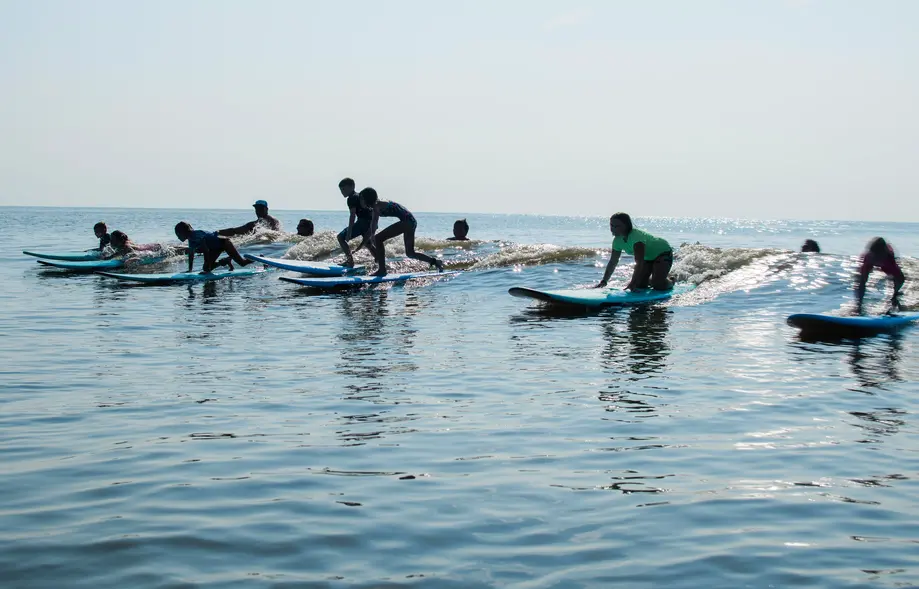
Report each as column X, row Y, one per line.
column 769, row 109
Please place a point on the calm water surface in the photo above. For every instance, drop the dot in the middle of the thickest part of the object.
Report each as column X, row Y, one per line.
column 444, row 434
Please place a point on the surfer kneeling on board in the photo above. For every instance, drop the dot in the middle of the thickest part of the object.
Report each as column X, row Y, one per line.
column 210, row 245
column 879, row 255
column 653, row 255
column 406, row 225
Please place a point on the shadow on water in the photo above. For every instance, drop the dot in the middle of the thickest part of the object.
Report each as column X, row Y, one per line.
column 636, row 349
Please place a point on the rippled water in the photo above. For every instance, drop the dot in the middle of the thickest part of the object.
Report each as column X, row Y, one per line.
column 445, row 434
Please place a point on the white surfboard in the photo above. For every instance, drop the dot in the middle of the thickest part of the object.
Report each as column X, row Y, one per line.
column 306, row 266
column 360, row 280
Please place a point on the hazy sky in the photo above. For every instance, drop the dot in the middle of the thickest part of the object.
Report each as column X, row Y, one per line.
column 733, row 108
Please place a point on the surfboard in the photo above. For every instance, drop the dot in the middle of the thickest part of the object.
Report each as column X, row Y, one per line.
column 306, row 267
column 66, row 256
column 329, row 283
column 167, row 278
column 598, row 297
column 87, row 266
column 833, row 326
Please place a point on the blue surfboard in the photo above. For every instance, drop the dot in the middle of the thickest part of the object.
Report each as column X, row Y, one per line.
column 87, row 266
column 833, row 326
column 167, row 278
column 329, row 283
column 598, row 297
column 307, row 266
column 67, row 256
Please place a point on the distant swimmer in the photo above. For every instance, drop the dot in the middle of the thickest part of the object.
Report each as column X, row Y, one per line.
column 210, row 245
column 305, row 228
column 263, row 219
column 653, row 255
column 879, row 255
column 810, row 246
column 102, row 235
column 358, row 222
column 406, row 225
column 460, row 230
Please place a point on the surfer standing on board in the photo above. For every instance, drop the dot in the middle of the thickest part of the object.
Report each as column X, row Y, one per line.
column 358, row 222
column 653, row 255
column 879, row 255
column 210, row 245
column 406, row 225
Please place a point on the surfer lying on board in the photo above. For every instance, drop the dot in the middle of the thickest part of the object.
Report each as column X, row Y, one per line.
column 879, row 255
column 358, row 223
column 653, row 255
column 210, row 245
column 406, row 225
column 102, row 235
column 262, row 218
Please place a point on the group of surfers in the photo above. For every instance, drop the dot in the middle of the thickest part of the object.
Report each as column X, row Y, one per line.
column 653, row 255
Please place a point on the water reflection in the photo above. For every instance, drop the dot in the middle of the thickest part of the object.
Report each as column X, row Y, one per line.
column 636, row 348
column 874, row 363
column 640, row 345
column 376, row 344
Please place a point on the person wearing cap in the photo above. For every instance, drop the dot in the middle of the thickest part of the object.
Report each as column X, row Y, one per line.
column 262, row 218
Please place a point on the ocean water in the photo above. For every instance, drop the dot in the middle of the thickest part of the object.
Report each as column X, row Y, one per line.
column 250, row 433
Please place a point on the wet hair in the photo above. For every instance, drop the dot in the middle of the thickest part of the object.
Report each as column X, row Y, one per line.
column 369, row 196
column 810, row 246
column 878, row 247
column 460, row 226
column 625, row 219
column 306, row 222
column 346, row 182
column 119, row 236
column 183, row 226
column 100, row 226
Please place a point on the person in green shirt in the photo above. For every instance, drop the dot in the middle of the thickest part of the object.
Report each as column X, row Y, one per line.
column 653, row 255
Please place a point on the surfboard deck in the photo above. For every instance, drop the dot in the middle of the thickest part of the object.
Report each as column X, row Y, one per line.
column 306, row 267
column 833, row 326
column 598, row 297
column 85, row 266
column 329, row 283
column 66, row 256
column 171, row 278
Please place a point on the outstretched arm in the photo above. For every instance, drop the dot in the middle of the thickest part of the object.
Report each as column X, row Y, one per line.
column 860, row 289
column 610, row 267
column 191, row 258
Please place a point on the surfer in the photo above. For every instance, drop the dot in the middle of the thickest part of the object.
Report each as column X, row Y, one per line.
column 305, row 228
column 262, row 219
column 460, row 230
column 406, row 225
column 810, row 246
column 879, row 255
column 653, row 255
column 358, row 223
column 123, row 245
column 211, row 245
column 102, row 235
